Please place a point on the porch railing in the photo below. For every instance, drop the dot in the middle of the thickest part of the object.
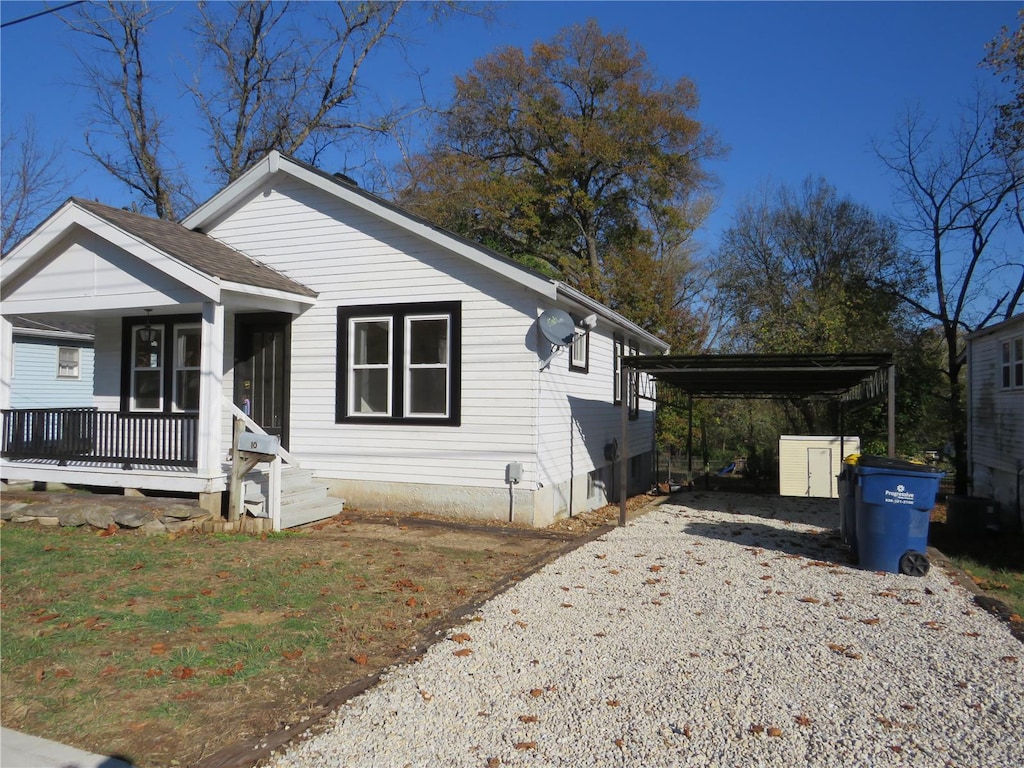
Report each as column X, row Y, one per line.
column 93, row 436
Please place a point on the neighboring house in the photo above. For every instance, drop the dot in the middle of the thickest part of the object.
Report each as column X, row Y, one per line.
column 400, row 365
column 995, row 416
column 52, row 364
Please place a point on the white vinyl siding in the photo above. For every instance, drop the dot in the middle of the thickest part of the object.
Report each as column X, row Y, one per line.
column 995, row 412
column 354, row 259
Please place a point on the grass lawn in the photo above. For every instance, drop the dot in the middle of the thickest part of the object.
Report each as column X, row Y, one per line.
column 164, row 650
column 994, row 562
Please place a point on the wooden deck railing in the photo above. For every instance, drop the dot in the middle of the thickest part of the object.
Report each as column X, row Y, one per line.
column 92, row 436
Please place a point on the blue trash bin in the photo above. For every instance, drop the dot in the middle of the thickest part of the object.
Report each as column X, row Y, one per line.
column 894, row 500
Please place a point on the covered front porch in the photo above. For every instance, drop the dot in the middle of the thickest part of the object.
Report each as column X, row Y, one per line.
column 178, row 320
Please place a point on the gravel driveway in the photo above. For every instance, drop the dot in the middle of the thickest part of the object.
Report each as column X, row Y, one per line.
column 724, row 632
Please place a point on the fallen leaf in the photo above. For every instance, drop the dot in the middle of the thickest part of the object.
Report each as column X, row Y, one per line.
column 567, row 605
column 537, row 692
column 528, row 718
column 461, row 637
column 361, row 658
column 493, row 762
column 462, row 652
column 775, row 732
column 526, row 745
column 809, row 600
column 183, row 673
column 612, row 702
column 292, row 655
column 158, row 649
column 803, row 720
column 896, row 748
column 186, row 696
column 521, row 624
column 63, row 672
column 136, row 567
column 656, row 568
column 870, row 621
column 110, row 530
column 756, row 728
column 619, row 742
column 1009, row 659
column 153, row 672
column 411, row 602
column 426, row 695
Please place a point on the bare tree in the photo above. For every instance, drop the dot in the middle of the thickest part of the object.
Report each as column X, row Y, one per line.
column 959, row 199
column 34, row 181
column 287, row 76
column 127, row 135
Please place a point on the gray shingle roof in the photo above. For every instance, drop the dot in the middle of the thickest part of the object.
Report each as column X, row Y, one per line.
column 196, row 249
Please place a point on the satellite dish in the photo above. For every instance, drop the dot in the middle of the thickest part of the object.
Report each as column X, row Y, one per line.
column 557, row 327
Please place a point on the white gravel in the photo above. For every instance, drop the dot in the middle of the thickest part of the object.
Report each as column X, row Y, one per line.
column 699, row 636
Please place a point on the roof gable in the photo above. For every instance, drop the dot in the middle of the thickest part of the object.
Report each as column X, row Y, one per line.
column 210, row 213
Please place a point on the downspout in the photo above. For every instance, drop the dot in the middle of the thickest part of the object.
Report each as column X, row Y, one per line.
column 892, row 411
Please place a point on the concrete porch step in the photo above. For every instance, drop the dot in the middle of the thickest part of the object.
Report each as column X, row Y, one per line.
column 300, row 514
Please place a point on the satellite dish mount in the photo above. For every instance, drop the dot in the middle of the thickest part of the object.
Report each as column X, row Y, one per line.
column 558, row 328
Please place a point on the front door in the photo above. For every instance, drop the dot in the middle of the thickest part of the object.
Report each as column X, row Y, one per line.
column 819, row 473
column 261, row 370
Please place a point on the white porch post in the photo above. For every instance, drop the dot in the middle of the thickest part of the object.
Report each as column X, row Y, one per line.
column 211, row 390
column 6, row 361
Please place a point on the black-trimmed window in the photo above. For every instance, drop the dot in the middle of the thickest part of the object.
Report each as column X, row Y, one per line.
column 617, row 369
column 634, row 383
column 160, row 364
column 400, row 363
column 579, row 351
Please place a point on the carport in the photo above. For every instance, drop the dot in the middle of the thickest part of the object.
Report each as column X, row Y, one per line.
column 846, row 378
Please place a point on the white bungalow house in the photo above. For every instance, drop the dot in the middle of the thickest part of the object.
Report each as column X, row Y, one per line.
column 400, row 366
column 995, row 417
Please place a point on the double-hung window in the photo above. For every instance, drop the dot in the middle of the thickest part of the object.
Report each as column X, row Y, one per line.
column 69, row 361
column 163, row 364
column 399, row 363
column 1013, row 363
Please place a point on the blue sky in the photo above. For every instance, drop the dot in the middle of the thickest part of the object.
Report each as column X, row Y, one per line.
column 793, row 89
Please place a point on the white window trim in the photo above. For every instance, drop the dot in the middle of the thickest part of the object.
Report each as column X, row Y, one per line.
column 177, row 368
column 134, row 406
column 77, row 365
column 580, row 346
column 1012, row 359
column 408, row 367
column 353, row 367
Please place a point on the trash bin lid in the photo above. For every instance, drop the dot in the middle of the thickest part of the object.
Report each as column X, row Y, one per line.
column 898, row 465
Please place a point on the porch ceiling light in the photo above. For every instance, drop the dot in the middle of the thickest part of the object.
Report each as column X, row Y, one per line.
column 148, row 335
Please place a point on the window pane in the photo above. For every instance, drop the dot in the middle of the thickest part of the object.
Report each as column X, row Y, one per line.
column 187, row 347
column 148, row 352
column 370, row 391
column 186, row 390
column 67, row 362
column 1006, row 351
column 579, row 350
column 1018, row 350
column 370, row 342
column 429, row 391
column 428, row 342
column 147, row 390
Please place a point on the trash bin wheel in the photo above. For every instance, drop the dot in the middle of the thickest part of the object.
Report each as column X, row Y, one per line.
column 914, row 564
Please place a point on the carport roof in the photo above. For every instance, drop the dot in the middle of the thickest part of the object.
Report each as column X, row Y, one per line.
column 766, row 376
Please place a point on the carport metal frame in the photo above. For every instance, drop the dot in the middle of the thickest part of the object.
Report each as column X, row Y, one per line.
column 847, row 378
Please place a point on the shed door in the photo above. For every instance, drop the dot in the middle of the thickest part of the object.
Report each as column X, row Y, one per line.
column 819, row 472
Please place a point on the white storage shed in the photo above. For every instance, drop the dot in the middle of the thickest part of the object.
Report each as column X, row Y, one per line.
column 810, row 464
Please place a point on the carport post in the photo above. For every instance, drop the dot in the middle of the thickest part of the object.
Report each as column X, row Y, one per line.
column 626, row 396
column 891, row 397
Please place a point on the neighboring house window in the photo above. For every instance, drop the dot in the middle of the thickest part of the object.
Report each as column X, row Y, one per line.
column 617, row 370
column 400, row 363
column 1013, row 363
column 579, row 352
column 68, row 362
column 161, row 371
